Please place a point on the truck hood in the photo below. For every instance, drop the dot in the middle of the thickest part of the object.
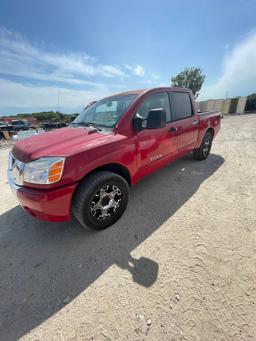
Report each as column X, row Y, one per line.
column 59, row 142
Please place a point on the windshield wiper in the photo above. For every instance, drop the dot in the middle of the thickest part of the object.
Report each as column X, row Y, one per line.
column 88, row 124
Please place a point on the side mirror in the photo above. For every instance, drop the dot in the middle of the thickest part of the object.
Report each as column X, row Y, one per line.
column 137, row 122
column 156, row 119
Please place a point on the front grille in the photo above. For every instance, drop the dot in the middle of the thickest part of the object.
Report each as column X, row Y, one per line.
column 16, row 168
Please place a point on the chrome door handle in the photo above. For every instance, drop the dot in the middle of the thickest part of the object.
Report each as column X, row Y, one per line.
column 172, row 130
column 195, row 122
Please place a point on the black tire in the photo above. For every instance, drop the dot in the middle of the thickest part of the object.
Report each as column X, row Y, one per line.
column 90, row 195
column 203, row 151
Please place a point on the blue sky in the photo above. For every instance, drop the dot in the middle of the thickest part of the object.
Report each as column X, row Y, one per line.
column 85, row 50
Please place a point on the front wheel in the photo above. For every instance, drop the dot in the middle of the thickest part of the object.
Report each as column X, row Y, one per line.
column 204, row 150
column 100, row 200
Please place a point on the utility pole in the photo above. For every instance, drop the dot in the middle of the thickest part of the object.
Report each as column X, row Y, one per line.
column 226, row 94
column 58, row 99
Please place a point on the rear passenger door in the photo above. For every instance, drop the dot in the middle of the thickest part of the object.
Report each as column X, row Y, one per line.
column 185, row 119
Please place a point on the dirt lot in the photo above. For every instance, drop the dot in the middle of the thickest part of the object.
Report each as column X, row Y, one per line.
column 180, row 264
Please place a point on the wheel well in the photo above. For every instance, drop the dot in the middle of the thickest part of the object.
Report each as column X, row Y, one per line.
column 210, row 130
column 115, row 168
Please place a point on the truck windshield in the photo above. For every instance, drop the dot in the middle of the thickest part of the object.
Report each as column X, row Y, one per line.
column 106, row 112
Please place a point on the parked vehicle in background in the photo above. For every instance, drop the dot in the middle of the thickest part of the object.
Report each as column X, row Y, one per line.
column 5, row 130
column 20, row 125
column 5, row 126
column 52, row 125
column 87, row 168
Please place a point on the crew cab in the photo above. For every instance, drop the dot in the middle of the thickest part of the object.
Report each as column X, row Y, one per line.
column 87, row 168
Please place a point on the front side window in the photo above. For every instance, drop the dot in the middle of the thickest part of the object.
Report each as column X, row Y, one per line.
column 155, row 101
column 106, row 112
column 182, row 105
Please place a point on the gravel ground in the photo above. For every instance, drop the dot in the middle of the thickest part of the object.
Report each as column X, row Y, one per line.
column 179, row 265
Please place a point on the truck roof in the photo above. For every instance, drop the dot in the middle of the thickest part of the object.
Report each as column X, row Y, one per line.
column 140, row 91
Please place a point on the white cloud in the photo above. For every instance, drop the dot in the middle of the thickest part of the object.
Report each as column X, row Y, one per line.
column 127, row 66
column 20, row 96
column 32, row 62
column 114, row 71
column 18, row 57
column 139, row 71
column 155, row 76
column 239, row 72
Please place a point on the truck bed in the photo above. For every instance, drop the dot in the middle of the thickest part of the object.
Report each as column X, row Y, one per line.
column 214, row 112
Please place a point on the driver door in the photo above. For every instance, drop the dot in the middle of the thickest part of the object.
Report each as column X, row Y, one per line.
column 155, row 145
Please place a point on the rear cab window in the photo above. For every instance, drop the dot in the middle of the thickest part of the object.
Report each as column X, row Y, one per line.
column 182, row 105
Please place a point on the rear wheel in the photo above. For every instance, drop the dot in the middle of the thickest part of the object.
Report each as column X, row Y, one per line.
column 204, row 150
column 100, row 200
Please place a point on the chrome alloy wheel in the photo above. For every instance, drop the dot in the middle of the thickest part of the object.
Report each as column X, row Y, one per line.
column 207, row 147
column 106, row 202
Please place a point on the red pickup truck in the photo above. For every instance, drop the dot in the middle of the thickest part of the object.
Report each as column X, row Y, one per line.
column 87, row 168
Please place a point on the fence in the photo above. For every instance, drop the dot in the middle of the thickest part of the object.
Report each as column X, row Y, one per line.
column 237, row 105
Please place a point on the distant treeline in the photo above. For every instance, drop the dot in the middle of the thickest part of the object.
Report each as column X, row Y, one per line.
column 49, row 115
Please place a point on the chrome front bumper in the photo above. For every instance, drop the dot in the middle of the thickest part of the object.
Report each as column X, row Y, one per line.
column 11, row 182
column 14, row 173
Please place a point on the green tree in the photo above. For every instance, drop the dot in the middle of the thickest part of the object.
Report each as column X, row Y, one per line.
column 191, row 78
column 252, row 96
column 46, row 115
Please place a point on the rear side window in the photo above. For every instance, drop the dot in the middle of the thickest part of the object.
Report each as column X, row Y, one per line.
column 182, row 105
column 155, row 101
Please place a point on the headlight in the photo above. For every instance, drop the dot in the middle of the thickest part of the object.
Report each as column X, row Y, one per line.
column 46, row 170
